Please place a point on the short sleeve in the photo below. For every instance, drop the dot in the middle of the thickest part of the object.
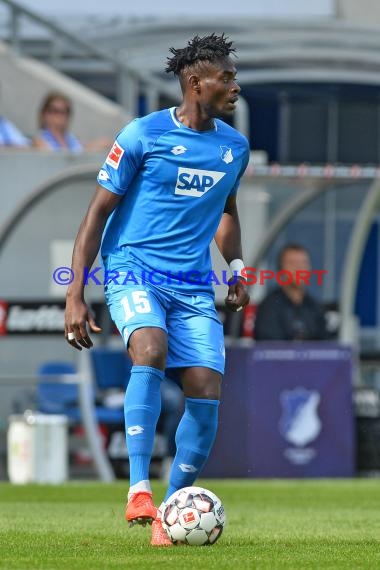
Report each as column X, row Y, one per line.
column 123, row 161
column 245, row 160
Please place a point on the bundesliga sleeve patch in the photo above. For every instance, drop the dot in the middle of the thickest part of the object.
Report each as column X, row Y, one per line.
column 115, row 155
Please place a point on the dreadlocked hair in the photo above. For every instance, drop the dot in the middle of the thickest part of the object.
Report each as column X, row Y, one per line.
column 209, row 48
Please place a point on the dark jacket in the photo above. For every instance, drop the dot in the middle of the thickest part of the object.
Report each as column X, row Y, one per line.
column 278, row 318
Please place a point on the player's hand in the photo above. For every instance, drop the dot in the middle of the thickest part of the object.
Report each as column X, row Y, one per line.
column 237, row 297
column 77, row 315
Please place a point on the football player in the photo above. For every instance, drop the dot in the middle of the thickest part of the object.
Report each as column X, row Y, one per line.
column 166, row 189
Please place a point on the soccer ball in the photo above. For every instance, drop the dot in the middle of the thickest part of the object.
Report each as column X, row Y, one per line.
column 194, row 516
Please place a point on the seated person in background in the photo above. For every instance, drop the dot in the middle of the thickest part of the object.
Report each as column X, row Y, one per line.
column 289, row 312
column 54, row 120
column 10, row 136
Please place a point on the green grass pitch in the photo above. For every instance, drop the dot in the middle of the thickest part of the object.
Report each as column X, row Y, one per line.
column 271, row 525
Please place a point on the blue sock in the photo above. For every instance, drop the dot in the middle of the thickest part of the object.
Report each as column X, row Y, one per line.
column 194, row 439
column 142, row 407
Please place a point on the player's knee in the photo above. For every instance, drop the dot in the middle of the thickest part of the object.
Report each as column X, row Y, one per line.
column 150, row 355
column 206, row 393
column 203, row 384
column 155, row 356
column 148, row 348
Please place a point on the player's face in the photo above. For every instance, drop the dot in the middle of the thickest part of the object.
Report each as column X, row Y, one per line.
column 219, row 89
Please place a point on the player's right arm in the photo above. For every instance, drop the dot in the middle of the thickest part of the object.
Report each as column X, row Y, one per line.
column 115, row 177
column 86, row 247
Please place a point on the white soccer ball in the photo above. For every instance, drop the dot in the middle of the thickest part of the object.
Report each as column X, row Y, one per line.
column 193, row 516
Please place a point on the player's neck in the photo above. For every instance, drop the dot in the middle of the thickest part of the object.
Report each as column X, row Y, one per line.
column 192, row 116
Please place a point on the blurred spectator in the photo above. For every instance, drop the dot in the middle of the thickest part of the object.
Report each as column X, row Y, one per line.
column 10, row 136
column 54, row 120
column 289, row 312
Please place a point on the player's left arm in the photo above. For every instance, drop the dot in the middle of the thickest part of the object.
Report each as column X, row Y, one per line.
column 228, row 240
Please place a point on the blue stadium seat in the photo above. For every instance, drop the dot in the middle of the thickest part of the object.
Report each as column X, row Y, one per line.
column 111, row 369
column 54, row 397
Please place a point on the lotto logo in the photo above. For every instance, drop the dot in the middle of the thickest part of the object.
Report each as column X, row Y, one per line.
column 180, row 149
column 103, row 175
column 135, row 430
column 195, row 182
column 187, row 468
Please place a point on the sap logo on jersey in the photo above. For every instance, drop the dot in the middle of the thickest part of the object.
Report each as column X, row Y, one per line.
column 195, row 182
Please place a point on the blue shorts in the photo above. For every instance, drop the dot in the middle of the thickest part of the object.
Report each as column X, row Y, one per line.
column 195, row 333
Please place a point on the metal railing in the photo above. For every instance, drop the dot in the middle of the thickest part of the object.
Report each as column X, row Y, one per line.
column 129, row 79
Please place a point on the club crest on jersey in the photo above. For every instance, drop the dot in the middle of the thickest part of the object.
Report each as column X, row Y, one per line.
column 195, row 182
column 226, row 154
column 115, row 155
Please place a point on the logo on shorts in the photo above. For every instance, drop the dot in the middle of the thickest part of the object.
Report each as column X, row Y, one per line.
column 195, row 182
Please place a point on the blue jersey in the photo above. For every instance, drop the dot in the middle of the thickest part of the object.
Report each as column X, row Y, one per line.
column 175, row 182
